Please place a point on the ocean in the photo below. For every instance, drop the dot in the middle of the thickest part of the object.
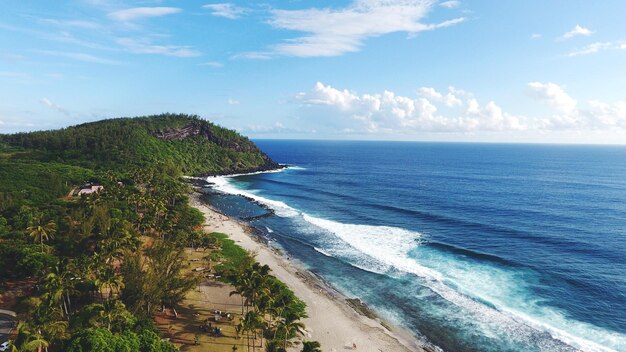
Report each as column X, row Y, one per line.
column 472, row 247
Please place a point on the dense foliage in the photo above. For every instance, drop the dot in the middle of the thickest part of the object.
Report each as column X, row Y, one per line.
column 269, row 307
column 77, row 253
column 188, row 142
column 92, row 269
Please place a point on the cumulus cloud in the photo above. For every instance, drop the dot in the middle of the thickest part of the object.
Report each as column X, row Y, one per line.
column 145, row 47
column 142, row 12
column 232, row 101
column 226, row 10
column 554, row 95
column 569, row 115
column 449, row 99
column 578, row 30
column 336, row 31
column 389, row 112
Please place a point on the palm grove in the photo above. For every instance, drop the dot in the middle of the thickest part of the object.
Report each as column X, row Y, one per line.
column 90, row 271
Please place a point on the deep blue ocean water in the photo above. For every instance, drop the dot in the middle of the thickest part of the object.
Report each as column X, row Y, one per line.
column 473, row 247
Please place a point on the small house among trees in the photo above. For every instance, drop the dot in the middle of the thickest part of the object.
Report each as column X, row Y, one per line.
column 89, row 189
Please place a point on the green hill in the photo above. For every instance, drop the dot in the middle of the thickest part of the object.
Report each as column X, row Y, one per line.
column 193, row 145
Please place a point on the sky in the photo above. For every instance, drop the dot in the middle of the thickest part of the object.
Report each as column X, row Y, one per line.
column 530, row 71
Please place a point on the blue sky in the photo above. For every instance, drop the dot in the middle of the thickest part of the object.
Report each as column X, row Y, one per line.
column 513, row 71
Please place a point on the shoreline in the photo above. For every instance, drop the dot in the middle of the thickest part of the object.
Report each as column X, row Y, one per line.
column 333, row 321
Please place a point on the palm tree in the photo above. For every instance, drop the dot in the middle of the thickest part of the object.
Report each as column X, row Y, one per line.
column 54, row 331
column 29, row 339
column 252, row 284
column 251, row 322
column 59, row 286
column 113, row 310
column 289, row 329
column 311, row 346
column 274, row 346
column 41, row 231
column 109, row 279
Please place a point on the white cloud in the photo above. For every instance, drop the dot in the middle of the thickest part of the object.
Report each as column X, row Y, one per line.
column 226, row 10
column 72, row 23
column 595, row 48
column 145, row 47
column 570, row 116
column 333, row 32
column 50, row 104
column 535, row 36
column 608, row 115
column 449, row 99
column 452, row 4
column 233, row 102
column 253, row 55
column 277, row 127
column 66, row 37
column 577, row 31
column 213, row 64
column 80, row 57
column 554, row 95
column 142, row 12
column 387, row 112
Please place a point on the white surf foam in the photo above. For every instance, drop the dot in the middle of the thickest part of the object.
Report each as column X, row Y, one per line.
column 223, row 184
column 389, row 247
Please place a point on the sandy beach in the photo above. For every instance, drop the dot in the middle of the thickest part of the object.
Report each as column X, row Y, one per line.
column 331, row 320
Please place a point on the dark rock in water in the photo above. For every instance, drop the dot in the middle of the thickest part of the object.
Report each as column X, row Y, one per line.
column 270, row 212
column 361, row 308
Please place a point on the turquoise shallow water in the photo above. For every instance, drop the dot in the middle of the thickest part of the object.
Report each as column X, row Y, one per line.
column 474, row 247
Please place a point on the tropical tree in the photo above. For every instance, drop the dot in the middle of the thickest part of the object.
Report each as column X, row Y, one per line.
column 109, row 279
column 41, row 231
column 29, row 339
column 167, row 263
column 287, row 329
column 274, row 346
column 58, row 285
column 250, row 323
column 311, row 346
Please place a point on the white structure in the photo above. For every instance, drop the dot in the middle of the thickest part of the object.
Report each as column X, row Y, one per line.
column 90, row 190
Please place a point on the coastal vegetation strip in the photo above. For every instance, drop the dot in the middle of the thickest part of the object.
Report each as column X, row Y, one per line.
column 89, row 272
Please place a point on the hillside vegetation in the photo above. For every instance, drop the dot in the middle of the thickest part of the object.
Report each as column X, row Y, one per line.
column 189, row 143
